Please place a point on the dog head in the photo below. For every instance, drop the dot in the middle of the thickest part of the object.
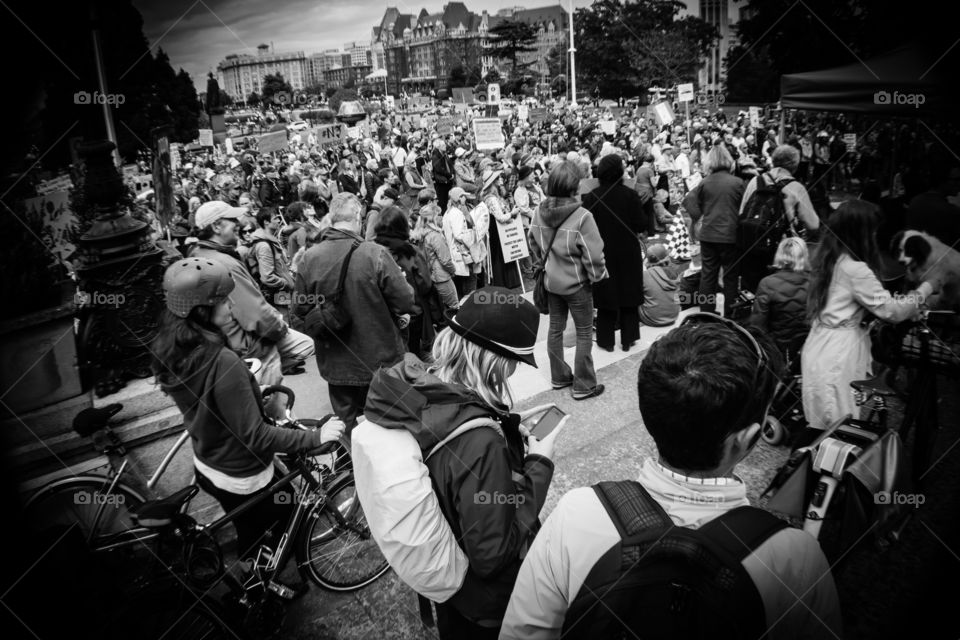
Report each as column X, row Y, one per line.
column 912, row 249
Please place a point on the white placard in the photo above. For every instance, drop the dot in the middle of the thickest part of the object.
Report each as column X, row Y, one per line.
column 523, row 112
column 755, row 117
column 228, row 143
column 488, row 134
column 850, row 139
column 663, row 112
column 513, row 240
column 206, row 137
column 685, row 92
column 609, row 127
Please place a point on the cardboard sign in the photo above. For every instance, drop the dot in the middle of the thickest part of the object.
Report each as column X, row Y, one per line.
column 523, row 112
column 206, row 137
column 463, row 95
column 537, row 115
column 488, row 134
column 663, row 113
column 513, row 240
column 609, row 127
column 59, row 223
column 270, row 142
column 755, row 117
column 330, row 135
column 685, row 92
column 445, row 125
column 850, row 139
column 493, row 93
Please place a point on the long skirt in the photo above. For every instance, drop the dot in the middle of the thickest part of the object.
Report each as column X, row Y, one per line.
column 832, row 358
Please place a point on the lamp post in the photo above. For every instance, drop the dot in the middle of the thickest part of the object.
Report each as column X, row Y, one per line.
column 573, row 53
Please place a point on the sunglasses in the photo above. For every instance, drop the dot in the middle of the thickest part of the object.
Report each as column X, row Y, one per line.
column 745, row 336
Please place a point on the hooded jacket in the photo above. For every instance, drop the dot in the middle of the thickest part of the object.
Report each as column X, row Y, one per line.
column 266, row 252
column 469, row 475
column 223, row 411
column 660, row 306
column 780, row 307
column 576, row 258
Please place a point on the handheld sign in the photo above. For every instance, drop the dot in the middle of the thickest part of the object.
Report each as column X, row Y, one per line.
column 488, row 134
column 513, row 240
column 755, row 117
column 685, row 92
column 850, row 139
column 206, row 137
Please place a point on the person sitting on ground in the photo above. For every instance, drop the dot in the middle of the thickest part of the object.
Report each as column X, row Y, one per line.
column 661, row 283
column 704, row 390
column 780, row 306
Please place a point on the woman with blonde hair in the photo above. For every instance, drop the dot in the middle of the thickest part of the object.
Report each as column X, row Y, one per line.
column 780, row 306
column 473, row 359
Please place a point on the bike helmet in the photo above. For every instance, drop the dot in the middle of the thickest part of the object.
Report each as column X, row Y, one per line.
column 195, row 282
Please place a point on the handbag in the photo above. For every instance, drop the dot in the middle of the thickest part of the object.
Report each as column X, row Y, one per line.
column 330, row 318
column 540, row 298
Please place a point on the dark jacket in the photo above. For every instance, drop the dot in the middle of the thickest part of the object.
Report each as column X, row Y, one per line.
column 442, row 166
column 492, row 533
column 223, row 411
column 374, row 293
column 780, row 308
column 717, row 200
column 620, row 217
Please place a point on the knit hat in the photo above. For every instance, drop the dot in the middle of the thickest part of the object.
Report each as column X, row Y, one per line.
column 499, row 320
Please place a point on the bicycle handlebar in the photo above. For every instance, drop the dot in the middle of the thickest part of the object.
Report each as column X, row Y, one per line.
column 275, row 388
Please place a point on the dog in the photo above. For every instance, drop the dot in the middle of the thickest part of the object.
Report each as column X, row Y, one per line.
column 926, row 258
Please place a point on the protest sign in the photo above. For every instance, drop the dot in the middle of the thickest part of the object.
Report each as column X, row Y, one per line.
column 513, row 240
column 755, row 117
column 488, row 134
column 537, row 115
column 609, row 127
column 685, row 92
column 391, row 103
column 270, row 142
column 523, row 112
column 445, row 125
column 228, row 145
column 850, row 139
column 206, row 137
column 59, row 223
column 60, row 183
column 663, row 112
column 330, row 134
column 175, row 155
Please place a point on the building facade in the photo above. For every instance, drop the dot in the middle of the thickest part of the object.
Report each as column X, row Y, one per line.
column 552, row 28
column 240, row 75
column 724, row 15
column 340, row 76
column 359, row 52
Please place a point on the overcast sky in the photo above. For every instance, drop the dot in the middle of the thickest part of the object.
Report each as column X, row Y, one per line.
column 198, row 34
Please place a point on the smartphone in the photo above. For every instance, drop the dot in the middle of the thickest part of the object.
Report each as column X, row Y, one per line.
column 547, row 423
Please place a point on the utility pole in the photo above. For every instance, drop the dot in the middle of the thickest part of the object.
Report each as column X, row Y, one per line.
column 573, row 72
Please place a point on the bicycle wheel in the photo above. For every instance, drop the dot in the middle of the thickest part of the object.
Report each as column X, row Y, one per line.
column 335, row 549
column 78, row 501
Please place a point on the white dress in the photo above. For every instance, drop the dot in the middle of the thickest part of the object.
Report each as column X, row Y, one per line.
column 837, row 350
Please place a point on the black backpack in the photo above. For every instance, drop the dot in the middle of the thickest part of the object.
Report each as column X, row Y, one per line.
column 668, row 582
column 763, row 223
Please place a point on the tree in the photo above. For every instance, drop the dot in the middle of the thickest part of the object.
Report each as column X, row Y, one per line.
column 253, row 99
column 340, row 96
column 628, row 47
column 464, row 77
column 510, row 38
column 274, row 84
column 753, row 78
column 225, row 98
column 492, row 76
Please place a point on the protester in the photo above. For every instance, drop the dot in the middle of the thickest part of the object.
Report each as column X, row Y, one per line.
column 575, row 263
column 619, row 216
column 461, row 234
column 780, row 306
column 267, row 259
column 843, row 288
column 375, row 293
column 500, row 273
column 429, row 235
column 704, row 390
column 443, row 173
column 661, row 285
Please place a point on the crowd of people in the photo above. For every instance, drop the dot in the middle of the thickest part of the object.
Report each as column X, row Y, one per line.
column 399, row 231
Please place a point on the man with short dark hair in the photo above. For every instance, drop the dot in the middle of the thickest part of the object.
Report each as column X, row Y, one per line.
column 704, row 390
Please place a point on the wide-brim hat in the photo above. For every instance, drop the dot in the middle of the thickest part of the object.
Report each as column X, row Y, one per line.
column 499, row 320
column 489, row 177
column 524, row 171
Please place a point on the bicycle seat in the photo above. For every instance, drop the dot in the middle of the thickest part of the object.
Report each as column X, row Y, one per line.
column 874, row 386
column 92, row 419
column 160, row 513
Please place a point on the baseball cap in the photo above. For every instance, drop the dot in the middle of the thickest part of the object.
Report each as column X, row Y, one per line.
column 210, row 212
column 456, row 193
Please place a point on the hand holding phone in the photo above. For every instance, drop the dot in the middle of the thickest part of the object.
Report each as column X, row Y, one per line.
column 544, row 432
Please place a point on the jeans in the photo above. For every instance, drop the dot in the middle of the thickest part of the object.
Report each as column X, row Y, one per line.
column 629, row 326
column 580, row 306
column 448, row 294
column 714, row 256
column 465, row 284
column 295, row 348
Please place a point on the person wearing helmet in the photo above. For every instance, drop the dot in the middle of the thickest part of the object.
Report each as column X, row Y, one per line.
column 233, row 442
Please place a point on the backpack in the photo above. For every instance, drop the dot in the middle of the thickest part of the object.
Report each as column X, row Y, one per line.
column 253, row 265
column 403, row 512
column 763, row 223
column 668, row 582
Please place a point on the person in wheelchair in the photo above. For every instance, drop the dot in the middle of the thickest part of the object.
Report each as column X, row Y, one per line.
column 233, row 441
column 780, row 304
column 844, row 288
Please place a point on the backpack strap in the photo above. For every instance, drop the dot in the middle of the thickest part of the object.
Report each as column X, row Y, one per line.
column 469, row 425
column 740, row 531
column 343, row 271
column 631, row 508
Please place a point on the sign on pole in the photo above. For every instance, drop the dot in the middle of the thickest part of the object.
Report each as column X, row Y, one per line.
column 206, row 137
column 663, row 113
column 330, row 134
column 685, row 92
column 513, row 240
column 493, row 93
column 850, row 139
column 270, row 142
column 488, row 134
column 755, row 117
